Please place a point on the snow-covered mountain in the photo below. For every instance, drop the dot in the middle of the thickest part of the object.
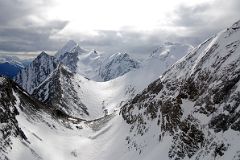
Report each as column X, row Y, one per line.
column 117, row 65
column 193, row 109
column 59, row 90
column 36, row 72
column 185, row 110
column 88, row 64
column 94, row 65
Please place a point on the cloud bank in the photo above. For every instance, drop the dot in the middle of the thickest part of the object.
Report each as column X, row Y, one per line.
column 25, row 27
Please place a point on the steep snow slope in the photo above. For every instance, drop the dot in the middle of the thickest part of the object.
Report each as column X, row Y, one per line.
column 195, row 103
column 13, row 101
column 36, row 72
column 88, row 64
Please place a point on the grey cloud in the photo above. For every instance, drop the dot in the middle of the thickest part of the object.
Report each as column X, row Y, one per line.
column 121, row 41
column 19, row 33
column 204, row 20
column 199, row 23
column 191, row 16
column 30, row 38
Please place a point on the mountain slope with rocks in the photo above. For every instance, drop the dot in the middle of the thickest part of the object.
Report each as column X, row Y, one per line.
column 195, row 103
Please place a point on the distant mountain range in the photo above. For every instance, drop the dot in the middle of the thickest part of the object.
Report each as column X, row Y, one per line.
column 11, row 65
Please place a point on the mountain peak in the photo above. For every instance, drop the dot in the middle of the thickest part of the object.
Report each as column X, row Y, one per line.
column 77, row 49
column 71, row 43
column 68, row 47
column 36, row 72
column 43, row 54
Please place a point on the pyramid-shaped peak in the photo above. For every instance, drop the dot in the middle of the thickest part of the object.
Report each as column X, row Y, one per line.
column 68, row 47
column 42, row 54
column 77, row 49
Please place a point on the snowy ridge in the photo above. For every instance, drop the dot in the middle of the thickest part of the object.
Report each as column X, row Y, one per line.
column 194, row 103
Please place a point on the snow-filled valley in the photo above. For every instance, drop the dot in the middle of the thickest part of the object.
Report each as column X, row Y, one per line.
column 179, row 103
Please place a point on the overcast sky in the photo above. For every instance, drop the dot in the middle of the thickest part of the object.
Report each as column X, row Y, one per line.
column 134, row 26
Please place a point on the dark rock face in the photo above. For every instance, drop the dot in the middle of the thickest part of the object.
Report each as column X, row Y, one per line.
column 14, row 101
column 205, row 83
column 9, row 125
column 187, row 141
column 36, row 72
column 58, row 91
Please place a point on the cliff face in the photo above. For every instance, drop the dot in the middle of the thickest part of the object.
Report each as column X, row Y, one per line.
column 36, row 72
